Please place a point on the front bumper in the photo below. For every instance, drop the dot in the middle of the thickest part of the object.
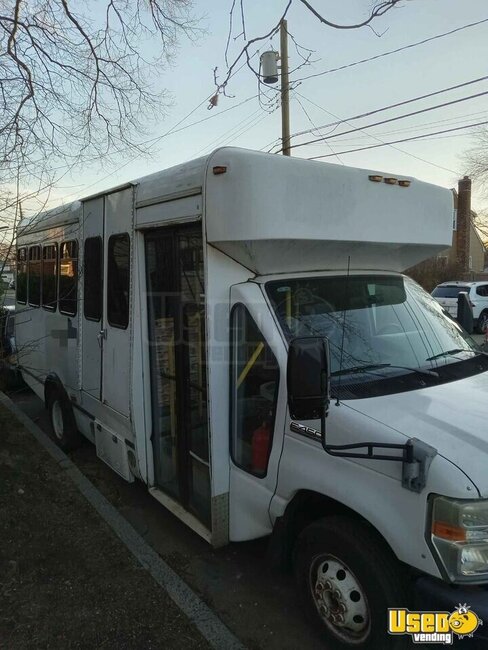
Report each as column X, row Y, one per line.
column 434, row 595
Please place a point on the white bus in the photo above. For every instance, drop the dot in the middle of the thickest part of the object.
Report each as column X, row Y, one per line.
column 236, row 332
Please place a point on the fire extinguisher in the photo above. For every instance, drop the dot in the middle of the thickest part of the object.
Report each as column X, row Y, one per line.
column 260, row 447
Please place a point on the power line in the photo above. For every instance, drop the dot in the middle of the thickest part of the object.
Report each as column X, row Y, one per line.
column 394, row 119
column 392, row 146
column 312, row 123
column 396, row 105
column 232, row 132
column 416, row 137
column 395, row 51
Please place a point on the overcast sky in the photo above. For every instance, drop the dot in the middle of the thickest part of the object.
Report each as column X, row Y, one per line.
column 436, row 65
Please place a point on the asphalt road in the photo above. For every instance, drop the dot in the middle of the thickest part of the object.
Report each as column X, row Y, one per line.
column 259, row 606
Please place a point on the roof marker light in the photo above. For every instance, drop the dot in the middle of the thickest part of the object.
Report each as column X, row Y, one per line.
column 375, row 178
column 391, row 181
column 404, row 183
column 219, row 169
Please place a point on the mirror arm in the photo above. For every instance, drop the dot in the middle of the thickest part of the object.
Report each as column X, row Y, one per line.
column 416, row 456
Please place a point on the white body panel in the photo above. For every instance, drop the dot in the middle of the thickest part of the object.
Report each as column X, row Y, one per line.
column 398, row 514
column 304, row 216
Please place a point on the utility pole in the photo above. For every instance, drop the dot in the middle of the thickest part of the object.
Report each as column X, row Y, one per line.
column 285, row 90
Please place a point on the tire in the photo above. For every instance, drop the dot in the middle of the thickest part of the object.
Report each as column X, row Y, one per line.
column 63, row 424
column 482, row 322
column 359, row 580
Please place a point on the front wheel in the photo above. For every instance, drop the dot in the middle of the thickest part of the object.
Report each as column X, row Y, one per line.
column 347, row 580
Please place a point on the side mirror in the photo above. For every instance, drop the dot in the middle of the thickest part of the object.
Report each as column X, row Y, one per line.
column 465, row 312
column 308, row 378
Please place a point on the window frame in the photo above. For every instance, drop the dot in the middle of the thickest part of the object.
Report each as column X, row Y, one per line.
column 25, row 263
column 115, row 235
column 50, row 308
column 91, row 318
column 30, row 261
column 233, row 394
column 63, row 311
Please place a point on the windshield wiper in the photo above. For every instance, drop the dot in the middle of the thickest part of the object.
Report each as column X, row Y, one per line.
column 452, row 353
column 379, row 366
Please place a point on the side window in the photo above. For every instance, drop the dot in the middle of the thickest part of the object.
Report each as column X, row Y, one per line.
column 255, row 378
column 68, row 277
column 34, row 276
column 21, row 283
column 118, row 280
column 482, row 290
column 92, row 278
column 49, row 277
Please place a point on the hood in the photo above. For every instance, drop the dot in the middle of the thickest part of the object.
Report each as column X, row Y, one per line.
column 452, row 417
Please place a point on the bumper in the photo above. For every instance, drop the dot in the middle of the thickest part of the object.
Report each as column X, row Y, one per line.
column 432, row 594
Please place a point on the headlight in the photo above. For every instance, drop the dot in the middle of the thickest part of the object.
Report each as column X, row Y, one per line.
column 459, row 534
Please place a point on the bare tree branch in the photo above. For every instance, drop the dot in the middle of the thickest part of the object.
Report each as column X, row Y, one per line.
column 244, row 57
column 476, row 159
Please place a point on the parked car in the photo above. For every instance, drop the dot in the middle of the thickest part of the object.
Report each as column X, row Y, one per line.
column 447, row 293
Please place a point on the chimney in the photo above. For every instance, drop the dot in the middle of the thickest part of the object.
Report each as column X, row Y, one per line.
column 463, row 223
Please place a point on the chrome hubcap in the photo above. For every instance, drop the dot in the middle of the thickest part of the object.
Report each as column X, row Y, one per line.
column 340, row 599
column 57, row 420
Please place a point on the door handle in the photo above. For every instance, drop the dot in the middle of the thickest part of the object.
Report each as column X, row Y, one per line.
column 102, row 334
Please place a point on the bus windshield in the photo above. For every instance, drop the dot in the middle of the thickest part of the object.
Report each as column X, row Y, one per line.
column 383, row 324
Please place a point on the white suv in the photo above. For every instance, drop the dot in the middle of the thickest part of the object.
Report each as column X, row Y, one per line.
column 446, row 295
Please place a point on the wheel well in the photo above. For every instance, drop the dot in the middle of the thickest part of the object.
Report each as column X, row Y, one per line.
column 305, row 508
column 51, row 385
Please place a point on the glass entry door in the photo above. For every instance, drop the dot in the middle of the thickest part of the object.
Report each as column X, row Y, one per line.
column 176, row 307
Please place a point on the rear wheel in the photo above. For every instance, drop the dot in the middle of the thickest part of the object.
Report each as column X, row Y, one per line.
column 63, row 425
column 347, row 579
column 482, row 322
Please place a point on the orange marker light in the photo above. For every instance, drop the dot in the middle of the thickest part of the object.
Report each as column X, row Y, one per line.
column 448, row 531
column 219, row 169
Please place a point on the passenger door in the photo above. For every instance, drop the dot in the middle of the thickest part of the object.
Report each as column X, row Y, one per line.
column 116, row 344
column 106, row 272
column 91, row 273
column 176, row 307
column 258, row 406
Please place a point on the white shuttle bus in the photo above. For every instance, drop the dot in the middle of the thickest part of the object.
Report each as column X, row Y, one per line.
column 236, row 332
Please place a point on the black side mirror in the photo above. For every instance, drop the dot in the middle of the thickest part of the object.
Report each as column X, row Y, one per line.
column 308, row 378
column 465, row 312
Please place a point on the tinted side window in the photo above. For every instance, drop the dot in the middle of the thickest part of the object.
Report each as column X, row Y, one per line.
column 21, row 284
column 118, row 280
column 255, row 378
column 92, row 278
column 49, row 276
column 34, row 276
column 68, row 277
column 482, row 290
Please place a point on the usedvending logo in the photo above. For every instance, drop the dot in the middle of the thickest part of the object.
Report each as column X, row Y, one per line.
column 434, row 627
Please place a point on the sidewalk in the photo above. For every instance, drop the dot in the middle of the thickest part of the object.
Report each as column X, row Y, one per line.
column 66, row 580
